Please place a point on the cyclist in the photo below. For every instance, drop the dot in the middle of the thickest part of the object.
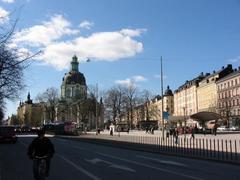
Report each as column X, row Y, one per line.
column 41, row 146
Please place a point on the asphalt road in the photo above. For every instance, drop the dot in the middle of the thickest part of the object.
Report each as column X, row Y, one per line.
column 76, row 160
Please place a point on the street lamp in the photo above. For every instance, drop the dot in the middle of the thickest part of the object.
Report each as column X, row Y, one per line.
column 96, row 109
column 96, row 98
column 162, row 99
column 185, row 122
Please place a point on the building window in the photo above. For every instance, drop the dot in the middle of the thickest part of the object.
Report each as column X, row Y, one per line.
column 228, row 84
column 233, row 102
column 232, row 83
column 236, row 82
column 234, row 112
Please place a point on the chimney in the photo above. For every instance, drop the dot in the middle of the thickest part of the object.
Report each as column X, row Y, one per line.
column 222, row 67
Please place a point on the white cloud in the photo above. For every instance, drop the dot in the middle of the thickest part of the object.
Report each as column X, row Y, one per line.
column 125, row 82
column 3, row 15
column 132, row 32
column 108, row 46
column 99, row 46
column 8, row 1
column 158, row 76
column 131, row 81
column 237, row 59
column 86, row 24
column 139, row 78
column 45, row 33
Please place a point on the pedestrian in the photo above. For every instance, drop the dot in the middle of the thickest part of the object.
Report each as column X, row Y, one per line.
column 215, row 129
column 204, row 131
column 176, row 136
column 152, row 130
column 193, row 133
column 146, row 129
column 111, row 132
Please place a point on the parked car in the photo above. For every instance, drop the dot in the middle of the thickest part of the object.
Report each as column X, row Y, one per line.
column 7, row 134
column 222, row 128
column 233, row 128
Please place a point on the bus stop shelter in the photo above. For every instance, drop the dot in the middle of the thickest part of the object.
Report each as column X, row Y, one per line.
column 205, row 116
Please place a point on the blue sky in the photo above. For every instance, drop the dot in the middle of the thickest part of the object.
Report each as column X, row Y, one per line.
column 124, row 40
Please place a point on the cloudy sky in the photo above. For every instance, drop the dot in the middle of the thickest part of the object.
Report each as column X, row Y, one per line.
column 124, row 40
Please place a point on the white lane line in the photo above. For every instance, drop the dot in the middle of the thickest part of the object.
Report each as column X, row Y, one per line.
column 110, row 164
column 163, row 161
column 90, row 175
column 152, row 167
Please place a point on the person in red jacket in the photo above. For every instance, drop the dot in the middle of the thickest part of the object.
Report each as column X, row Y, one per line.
column 39, row 147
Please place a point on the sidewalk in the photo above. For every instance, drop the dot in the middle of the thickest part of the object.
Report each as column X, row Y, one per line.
column 235, row 135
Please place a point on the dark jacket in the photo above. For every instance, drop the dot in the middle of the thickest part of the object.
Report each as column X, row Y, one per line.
column 40, row 147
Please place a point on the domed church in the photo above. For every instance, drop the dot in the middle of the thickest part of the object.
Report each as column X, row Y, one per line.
column 73, row 83
column 74, row 104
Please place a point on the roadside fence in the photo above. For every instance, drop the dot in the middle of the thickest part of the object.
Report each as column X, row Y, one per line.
column 215, row 149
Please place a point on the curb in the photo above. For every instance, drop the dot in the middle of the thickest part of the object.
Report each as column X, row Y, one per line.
column 145, row 148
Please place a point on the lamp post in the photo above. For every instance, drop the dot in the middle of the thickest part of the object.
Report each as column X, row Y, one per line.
column 162, row 99
column 96, row 98
column 184, row 117
column 96, row 108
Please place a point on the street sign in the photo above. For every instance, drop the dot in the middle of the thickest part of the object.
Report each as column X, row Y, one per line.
column 165, row 115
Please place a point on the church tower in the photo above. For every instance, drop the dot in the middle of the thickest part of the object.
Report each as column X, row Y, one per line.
column 73, row 83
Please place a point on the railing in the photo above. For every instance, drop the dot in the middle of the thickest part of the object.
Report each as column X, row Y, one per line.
column 215, row 149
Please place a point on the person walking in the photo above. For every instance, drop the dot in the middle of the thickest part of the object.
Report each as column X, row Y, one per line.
column 193, row 133
column 176, row 136
column 111, row 131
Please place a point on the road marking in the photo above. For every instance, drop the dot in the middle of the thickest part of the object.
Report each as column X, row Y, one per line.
column 163, row 161
column 112, row 165
column 90, row 175
column 152, row 167
column 26, row 135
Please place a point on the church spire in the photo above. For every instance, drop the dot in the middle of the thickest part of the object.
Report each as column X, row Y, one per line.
column 29, row 101
column 74, row 63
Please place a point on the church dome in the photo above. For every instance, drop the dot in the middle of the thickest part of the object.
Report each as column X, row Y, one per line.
column 74, row 78
column 168, row 92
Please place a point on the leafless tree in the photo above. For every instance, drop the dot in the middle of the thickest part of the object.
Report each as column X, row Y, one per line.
column 113, row 102
column 130, row 99
column 13, row 62
column 49, row 98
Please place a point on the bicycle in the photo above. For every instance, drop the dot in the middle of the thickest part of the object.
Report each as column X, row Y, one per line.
column 42, row 167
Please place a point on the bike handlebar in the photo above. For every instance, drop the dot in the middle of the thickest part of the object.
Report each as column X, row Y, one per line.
column 41, row 157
